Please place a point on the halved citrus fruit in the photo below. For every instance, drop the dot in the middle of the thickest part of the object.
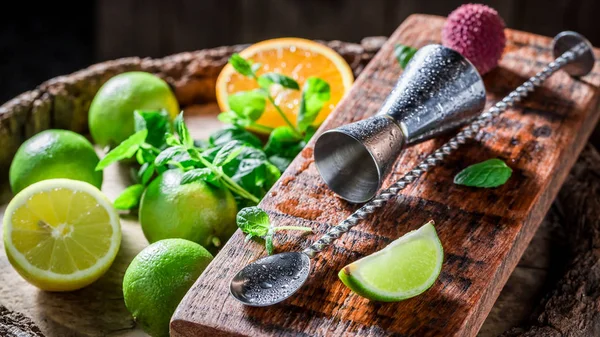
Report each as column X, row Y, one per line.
column 296, row 58
column 61, row 234
column 404, row 269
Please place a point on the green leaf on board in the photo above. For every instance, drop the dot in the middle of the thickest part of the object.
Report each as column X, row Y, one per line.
column 404, row 54
column 487, row 174
column 253, row 221
column 269, row 244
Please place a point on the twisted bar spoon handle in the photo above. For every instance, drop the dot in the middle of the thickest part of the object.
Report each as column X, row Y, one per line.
column 438, row 155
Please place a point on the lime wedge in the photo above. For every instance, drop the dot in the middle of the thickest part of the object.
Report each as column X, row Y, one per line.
column 404, row 269
column 61, row 234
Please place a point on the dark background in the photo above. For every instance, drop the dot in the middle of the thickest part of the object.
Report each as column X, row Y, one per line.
column 40, row 40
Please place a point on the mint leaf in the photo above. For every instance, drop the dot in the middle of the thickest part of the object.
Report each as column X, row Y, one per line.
column 281, row 137
column 182, row 131
column 228, row 152
column 309, row 132
column 241, row 65
column 315, row 94
column 268, row 79
column 169, row 154
column 171, row 140
column 490, row 173
column 253, row 221
column 248, row 104
column 144, row 154
column 404, row 54
column 251, row 170
column 210, row 153
column 283, row 146
column 280, row 162
column 130, row 197
column 157, row 123
column 125, row 150
column 202, row 174
column 229, row 117
column 146, row 172
column 224, row 136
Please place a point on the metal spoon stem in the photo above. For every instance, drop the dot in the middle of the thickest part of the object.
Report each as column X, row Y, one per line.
column 438, row 155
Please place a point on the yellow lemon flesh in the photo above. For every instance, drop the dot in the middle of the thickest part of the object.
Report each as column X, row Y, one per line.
column 61, row 234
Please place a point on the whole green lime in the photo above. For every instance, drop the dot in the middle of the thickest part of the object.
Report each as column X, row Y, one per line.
column 111, row 112
column 54, row 154
column 158, row 278
column 197, row 211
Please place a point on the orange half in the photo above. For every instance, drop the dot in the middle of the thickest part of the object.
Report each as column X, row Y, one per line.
column 296, row 58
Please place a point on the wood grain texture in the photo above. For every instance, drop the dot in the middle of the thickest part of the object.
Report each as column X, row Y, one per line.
column 484, row 232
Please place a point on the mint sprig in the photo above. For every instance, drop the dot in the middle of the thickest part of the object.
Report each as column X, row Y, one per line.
column 226, row 168
column 254, row 222
column 487, row 174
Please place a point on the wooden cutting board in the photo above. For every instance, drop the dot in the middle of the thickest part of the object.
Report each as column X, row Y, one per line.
column 483, row 231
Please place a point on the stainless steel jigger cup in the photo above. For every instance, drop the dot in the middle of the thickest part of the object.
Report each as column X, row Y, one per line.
column 438, row 91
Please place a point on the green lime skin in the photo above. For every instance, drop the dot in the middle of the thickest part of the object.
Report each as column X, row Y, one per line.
column 158, row 278
column 197, row 211
column 54, row 154
column 111, row 118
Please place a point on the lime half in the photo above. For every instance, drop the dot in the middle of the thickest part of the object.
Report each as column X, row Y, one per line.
column 404, row 269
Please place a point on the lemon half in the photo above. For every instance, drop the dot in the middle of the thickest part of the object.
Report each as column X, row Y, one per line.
column 61, row 234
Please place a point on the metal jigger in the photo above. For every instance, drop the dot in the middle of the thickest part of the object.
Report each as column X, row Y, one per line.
column 438, row 91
